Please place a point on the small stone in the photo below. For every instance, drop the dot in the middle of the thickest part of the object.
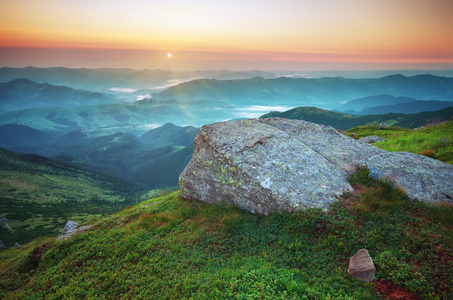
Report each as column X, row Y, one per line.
column 361, row 266
column 17, row 245
column 382, row 125
column 69, row 227
column 371, row 139
column 2, row 245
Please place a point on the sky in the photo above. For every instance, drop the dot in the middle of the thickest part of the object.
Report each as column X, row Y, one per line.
column 233, row 34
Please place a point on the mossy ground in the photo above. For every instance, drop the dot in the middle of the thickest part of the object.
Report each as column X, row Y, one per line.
column 171, row 248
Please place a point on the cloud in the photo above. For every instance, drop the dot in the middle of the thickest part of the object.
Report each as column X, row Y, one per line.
column 255, row 111
column 123, row 90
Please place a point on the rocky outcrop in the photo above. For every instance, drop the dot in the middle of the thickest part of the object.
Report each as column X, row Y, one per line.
column 70, row 229
column 275, row 164
column 361, row 266
column 269, row 165
column 421, row 177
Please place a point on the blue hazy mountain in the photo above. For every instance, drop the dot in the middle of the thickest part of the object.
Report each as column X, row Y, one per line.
column 20, row 94
column 372, row 101
column 383, row 104
column 406, row 107
column 138, row 113
column 104, row 79
column 321, row 92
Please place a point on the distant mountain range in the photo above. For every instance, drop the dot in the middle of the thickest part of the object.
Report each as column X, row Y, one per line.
column 139, row 113
column 407, row 108
column 198, row 102
column 81, row 116
column 20, row 94
column 383, row 104
column 104, row 79
column 319, row 92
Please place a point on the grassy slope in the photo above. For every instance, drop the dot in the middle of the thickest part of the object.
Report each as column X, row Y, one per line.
column 177, row 249
column 169, row 248
column 38, row 195
column 435, row 141
column 345, row 121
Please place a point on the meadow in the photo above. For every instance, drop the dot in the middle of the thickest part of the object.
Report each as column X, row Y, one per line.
column 171, row 248
column 433, row 141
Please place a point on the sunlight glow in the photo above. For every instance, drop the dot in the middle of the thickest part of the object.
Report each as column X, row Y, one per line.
column 205, row 34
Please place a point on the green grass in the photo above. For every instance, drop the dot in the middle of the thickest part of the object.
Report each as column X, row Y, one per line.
column 435, row 141
column 171, row 248
column 38, row 196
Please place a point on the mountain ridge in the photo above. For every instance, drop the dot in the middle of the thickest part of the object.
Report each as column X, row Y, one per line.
column 346, row 121
column 20, row 94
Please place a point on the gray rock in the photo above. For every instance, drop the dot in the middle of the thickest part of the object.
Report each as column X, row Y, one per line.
column 275, row 164
column 382, row 125
column 361, row 266
column 2, row 245
column 341, row 150
column 371, row 139
column 70, row 229
column 421, row 177
column 261, row 168
column 17, row 245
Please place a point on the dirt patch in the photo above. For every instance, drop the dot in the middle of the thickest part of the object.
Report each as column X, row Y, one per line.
column 389, row 290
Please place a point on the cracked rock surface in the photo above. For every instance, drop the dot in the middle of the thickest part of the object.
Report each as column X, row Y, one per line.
column 272, row 165
column 421, row 177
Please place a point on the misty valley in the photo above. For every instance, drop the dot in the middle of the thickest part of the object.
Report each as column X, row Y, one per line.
column 84, row 143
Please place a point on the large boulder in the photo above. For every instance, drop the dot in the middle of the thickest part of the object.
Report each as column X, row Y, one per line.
column 264, row 166
column 275, row 165
column 421, row 177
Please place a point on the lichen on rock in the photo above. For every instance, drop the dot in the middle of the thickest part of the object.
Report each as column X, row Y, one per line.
column 275, row 165
column 423, row 178
column 259, row 168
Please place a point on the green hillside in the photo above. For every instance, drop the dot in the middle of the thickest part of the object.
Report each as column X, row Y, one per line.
column 39, row 195
column 172, row 248
column 345, row 121
column 435, row 141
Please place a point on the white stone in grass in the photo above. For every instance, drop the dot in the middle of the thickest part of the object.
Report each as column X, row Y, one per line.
column 361, row 266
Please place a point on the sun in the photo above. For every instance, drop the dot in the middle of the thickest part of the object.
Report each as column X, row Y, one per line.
column 169, row 55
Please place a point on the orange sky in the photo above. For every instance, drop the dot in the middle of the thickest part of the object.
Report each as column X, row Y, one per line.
column 241, row 34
